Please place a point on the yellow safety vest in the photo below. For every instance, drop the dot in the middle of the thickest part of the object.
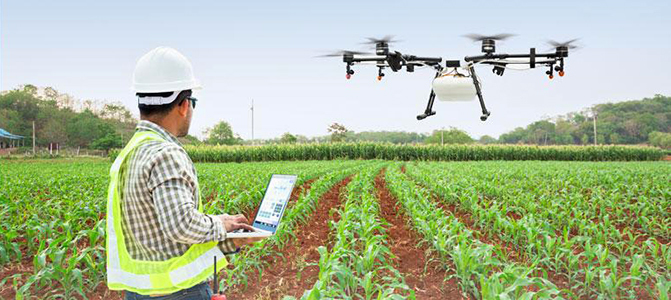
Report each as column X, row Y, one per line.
column 151, row 277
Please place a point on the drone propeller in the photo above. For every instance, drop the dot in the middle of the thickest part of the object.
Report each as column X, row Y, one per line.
column 340, row 53
column 496, row 37
column 387, row 39
column 381, row 45
column 488, row 42
column 568, row 44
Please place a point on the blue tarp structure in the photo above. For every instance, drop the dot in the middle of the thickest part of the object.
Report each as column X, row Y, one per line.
column 7, row 135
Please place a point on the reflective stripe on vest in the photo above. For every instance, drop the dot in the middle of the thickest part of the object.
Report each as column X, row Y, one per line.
column 150, row 277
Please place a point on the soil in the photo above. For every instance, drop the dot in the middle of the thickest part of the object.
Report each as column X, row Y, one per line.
column 25, row 266
column 283, row 278
column 411, row 260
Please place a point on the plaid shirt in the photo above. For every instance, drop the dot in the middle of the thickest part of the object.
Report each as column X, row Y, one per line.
column 160, row 201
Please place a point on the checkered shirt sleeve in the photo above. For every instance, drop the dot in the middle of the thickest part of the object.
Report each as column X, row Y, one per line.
column 173, row 185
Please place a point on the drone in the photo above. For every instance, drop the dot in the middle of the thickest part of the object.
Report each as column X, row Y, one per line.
column 453, row 82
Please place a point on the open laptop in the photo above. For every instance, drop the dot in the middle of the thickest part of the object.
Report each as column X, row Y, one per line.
column 271, row 208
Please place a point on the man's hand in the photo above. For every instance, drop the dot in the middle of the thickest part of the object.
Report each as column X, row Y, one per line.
column 236, row 222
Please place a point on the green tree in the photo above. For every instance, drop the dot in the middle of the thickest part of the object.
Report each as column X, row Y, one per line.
column 338, row 132
column 221, row 134
column 451, row 136
column 614, row 138
column 660, row 139
column 584, row 139
column 486, row 140
column 514, row 137
column 288, row 138
column 109, row 141
column 189, row 140
column 86, row 128
column 394, row 137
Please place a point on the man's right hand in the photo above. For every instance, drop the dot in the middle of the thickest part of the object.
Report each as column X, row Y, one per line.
column 232, row 223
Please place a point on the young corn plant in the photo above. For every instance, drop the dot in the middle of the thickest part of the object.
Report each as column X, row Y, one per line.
column 359, row 263
column 479, row 272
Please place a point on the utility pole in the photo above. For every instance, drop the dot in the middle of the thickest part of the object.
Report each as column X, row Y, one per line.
column 441, row 135
column 252, row 109
column 33, row 137
column 594, row 118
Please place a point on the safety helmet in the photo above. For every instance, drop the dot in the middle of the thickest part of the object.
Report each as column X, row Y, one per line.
column 163, row 69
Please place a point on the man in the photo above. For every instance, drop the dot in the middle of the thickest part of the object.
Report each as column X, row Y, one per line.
column 159, row 242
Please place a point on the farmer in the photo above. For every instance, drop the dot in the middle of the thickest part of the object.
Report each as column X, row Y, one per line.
column 159, row 241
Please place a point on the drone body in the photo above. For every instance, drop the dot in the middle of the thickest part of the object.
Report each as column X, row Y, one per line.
column 453, row 82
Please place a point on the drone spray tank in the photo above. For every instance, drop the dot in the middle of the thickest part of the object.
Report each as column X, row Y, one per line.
column 454, row 86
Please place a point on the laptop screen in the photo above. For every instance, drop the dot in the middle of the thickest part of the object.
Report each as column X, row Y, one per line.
column 274, row 201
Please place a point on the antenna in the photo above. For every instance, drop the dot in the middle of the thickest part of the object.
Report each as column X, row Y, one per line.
column 216, row 286
column 252, row 109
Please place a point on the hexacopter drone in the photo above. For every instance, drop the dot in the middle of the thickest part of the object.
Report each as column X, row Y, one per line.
column 453, row 82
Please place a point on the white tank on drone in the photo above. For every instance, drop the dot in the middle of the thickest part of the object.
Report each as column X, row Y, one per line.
column 454, row 86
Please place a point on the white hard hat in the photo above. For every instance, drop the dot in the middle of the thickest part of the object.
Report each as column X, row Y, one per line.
column 163, row 69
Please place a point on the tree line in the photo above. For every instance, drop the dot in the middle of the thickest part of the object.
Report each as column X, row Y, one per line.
column 61, row 119
column 58, row 121
column 628, row 122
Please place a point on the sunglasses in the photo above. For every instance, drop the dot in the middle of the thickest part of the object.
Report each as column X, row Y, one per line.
column 193, row 101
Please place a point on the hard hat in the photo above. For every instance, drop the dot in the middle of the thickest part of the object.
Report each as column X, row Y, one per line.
column 163, row 69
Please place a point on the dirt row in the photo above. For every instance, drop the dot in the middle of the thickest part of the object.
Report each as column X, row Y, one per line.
column 425, row 278
column 293, row 274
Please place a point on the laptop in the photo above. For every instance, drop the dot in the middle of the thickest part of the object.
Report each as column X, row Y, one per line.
column 271, row 208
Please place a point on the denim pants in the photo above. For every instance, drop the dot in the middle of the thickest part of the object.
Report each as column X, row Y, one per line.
column 201, row 291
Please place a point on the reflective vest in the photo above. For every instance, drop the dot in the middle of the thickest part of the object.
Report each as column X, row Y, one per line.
column 150, row 277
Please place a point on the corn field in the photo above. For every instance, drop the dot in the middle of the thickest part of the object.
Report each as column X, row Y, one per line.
column 206, row 153
column 472, row 229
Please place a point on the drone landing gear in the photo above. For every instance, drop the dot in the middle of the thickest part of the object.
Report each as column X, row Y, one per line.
column 429, row 106
column 476, row 82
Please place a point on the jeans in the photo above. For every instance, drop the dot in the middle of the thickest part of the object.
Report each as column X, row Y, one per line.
column 201, row 291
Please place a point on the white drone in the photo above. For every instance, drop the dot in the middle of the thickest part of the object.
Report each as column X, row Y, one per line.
column 453, row 82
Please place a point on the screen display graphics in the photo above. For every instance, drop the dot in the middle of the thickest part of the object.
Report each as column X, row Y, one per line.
column 276, row 197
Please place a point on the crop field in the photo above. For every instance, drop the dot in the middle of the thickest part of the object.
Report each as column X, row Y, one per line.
column 373, row 229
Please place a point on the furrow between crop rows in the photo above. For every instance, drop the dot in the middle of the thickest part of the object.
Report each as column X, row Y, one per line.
column 426, row 277
column 359, row 263
column 250, row 264
column 480, row 270
column 290, row 272
column 592, row 260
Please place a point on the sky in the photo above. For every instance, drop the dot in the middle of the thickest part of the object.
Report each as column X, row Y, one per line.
column 265, row 50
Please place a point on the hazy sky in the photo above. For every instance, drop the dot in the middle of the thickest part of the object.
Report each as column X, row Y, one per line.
column 265, row 50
